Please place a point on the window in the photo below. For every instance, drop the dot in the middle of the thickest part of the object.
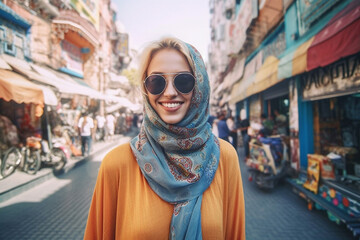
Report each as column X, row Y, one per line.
column 9, row 42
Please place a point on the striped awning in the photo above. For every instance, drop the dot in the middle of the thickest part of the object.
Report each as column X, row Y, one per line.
column 339, row 38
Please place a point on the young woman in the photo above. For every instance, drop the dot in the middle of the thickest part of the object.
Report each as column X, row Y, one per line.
column 175, row 180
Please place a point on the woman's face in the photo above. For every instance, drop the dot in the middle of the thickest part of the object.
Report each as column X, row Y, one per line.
column 170, row 105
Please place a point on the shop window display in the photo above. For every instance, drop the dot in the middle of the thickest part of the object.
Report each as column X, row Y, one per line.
column 339, row 130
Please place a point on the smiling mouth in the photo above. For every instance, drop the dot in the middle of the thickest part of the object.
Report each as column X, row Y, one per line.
column 171, row 105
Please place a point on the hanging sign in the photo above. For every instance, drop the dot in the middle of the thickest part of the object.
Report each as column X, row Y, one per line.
column 340, row 78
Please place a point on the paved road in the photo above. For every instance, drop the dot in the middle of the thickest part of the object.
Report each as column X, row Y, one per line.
column 58, row 208
column 55, row 209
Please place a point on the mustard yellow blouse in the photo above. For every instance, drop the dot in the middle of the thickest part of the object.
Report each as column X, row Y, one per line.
column 125, row 207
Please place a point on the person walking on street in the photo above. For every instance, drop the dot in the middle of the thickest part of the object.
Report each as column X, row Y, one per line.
column 110, row 126
column 175, row 179
column 100, row 126
column 233, row 130
column 86, row 126
column 223, row 128
column 244, row 125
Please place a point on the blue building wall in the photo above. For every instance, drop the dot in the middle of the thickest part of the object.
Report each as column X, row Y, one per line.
column 306, row 126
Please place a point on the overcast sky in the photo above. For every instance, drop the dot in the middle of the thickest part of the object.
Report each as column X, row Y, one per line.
column 147, row 20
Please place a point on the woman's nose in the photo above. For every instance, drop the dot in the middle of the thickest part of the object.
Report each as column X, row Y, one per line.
column 170, row 90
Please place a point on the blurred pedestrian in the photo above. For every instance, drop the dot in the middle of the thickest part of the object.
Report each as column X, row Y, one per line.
column 244, row 125
column 110, row 126
column 233, row 131
column 135, row 120
column 100, row 126
column 189, row 185
column 86, row 126
column 222, row 126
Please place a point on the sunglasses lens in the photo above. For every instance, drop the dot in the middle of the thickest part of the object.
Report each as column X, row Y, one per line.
column 184, row 82
column 155, row 84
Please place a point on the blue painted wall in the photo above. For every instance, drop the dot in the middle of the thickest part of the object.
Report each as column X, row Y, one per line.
column 306, row 127
column 291, row 26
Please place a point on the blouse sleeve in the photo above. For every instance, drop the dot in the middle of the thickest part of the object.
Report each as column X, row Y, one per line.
column 235, row 227
column 102, row 214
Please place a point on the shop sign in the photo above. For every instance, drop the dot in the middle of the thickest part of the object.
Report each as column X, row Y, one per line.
column 312, row 11
column 122, row 47
column 339, row 78
column 71, row 57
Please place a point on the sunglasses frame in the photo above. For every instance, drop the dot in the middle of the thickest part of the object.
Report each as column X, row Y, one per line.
column 166, row 81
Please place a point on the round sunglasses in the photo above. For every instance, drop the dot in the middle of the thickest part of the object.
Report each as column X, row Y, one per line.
column 156, row 83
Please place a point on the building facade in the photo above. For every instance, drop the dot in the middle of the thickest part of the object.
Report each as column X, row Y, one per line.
column 300, row 58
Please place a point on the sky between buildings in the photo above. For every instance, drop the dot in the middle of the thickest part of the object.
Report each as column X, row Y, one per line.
column 148, row 20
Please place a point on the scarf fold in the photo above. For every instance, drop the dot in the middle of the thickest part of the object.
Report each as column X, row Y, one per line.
column 179, row 161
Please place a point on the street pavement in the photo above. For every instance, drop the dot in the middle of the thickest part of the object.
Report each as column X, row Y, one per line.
column 58, row 207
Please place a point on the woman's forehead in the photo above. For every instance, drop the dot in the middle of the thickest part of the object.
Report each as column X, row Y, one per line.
column 168, row 60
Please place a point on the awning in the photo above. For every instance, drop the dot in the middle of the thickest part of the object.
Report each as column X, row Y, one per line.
column 122, row 103
column 24, row 68
column 239, row 90
column 93, row 93
column 295, row 62
column 49, row 96
column 15, row 87
column 4, row 65
column 118, row 81
column 266, row 77
column 66, row 84
column 340, row 38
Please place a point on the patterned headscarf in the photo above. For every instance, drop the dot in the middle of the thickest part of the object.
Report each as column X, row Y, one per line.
column 179, row 161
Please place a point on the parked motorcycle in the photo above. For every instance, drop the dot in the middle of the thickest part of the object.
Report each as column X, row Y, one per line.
column 55, row 157
column 268, row 162
column 26, row 158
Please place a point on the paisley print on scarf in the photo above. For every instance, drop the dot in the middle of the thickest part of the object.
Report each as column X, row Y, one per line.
column 189, row 143
column 183, row 132
column 178, row 206
column 142, row 140
column 148, row 168
column 181, row 169
column 196, row 99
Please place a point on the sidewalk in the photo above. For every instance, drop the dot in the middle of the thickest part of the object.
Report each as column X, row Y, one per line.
column 20, row 181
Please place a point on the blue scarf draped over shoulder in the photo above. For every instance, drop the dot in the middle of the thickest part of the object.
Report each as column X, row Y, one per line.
column 179, row 161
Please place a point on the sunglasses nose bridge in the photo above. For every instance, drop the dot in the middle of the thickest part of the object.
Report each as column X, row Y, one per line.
column 169, row 87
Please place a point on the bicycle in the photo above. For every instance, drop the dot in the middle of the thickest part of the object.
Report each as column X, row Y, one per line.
column 10, row 159
column 27, row 157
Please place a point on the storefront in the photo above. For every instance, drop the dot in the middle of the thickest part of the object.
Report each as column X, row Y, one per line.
column 276, row 99
column 334, row 93
column 330, row 102
column 21, row 102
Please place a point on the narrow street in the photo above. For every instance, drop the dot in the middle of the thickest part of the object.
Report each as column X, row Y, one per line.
column 58, row 208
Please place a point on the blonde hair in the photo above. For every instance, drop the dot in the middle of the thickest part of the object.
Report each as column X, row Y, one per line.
column 149, row 52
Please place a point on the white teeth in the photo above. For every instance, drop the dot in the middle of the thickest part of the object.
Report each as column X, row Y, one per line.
column 171, row 105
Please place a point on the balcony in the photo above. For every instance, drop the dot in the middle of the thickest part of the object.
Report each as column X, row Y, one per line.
column 70, row 21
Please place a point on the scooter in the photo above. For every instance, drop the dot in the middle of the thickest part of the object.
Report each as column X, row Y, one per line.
column 268, row 162
column 55, row 157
